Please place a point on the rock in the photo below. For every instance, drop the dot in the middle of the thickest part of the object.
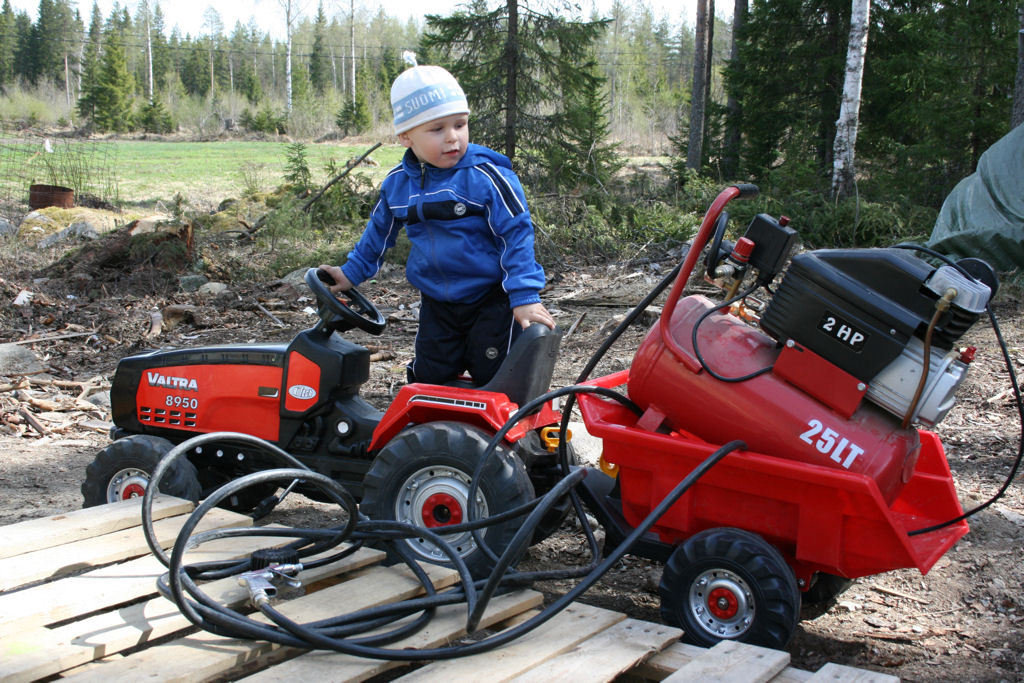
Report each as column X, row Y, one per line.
column 192, row 283
column 7, row 228
column 79, row 230
column 36, row 222
column 17, row 360
column 100, row 399
column 175, row 314
column 214, row 289
column 297, row 281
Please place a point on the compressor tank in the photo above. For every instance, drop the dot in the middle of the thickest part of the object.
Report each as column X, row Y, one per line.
column 771, row 414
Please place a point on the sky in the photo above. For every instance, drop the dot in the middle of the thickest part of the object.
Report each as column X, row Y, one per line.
column 188, row 14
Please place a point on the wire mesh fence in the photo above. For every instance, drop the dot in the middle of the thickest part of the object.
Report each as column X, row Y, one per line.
column 30, row 157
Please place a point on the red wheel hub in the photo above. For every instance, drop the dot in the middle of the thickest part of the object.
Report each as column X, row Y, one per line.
column 722, row 603
column 133, row 491
column 441, row 509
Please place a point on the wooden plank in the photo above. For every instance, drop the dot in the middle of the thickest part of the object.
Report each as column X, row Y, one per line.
column 209, row 656
column 676, row 656
column 837, row 673
column 48, row 532
column 448, row 624
column 562, row 633
column 107, row 586
column 51, row 563
column 669, row 660
column 606, row 655
column 39, row 653
column 733, row 662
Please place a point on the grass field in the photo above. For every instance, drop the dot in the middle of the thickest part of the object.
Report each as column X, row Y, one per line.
column 146, row 175
column 204, row 173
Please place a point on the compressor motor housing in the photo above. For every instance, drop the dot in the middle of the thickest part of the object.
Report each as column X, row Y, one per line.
column 867, row 311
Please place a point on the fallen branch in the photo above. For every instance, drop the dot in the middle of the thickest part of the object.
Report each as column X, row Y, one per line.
column 264, row 311
column 55, row 337
column 897, row 594
column 1000, row 396
column 14, row 386
column 314, row 198
column 572, row 328
column 84, row 388
column 35, row 424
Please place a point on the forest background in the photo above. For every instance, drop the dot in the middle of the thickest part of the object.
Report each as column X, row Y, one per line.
column 571, row 98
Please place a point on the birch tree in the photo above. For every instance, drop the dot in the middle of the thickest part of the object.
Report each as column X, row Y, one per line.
column 292, row 9
column 214, row 28
column 849, row 110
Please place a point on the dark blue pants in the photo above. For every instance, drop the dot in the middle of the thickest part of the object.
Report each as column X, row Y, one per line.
column 455, row 338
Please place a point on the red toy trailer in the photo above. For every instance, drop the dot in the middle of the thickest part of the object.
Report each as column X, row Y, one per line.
column 822, row 386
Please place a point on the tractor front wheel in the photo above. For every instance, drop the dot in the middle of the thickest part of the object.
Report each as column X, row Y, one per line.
column 730, row 584
column 423, row 477
column 123, row 469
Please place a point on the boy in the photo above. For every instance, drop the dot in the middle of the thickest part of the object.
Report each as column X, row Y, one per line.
column 465, row 214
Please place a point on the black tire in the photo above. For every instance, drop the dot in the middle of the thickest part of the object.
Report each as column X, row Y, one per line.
column 731, row 584
column 123, row 469
column 552, row 521
column 243, row 501
column 422, row 475
column 822, row 595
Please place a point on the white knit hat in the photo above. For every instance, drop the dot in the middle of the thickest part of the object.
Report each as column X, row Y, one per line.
column 425, row 93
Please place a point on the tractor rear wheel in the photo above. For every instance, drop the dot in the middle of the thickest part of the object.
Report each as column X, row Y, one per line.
column 729, row 583
column 422, row 477
column 123, row 469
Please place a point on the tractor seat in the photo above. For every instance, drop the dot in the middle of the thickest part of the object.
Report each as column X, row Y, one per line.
column 526, row 371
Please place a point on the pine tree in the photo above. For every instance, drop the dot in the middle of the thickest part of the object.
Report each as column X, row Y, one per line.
column 111, row 94
column 163, row 60
column 319, row 68
column 91, row 64
column 583, row 158
column 355, row 117
column 8, row 43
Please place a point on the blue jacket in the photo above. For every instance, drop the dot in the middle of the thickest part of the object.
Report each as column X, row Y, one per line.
column 468, row 225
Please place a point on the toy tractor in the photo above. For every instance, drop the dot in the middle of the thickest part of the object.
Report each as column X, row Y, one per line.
column 412, row 462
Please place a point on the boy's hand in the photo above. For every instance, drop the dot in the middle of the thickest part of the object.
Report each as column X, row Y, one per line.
column 533, row 313
column 341, row 283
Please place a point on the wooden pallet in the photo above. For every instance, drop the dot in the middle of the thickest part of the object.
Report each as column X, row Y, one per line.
column 78, row 601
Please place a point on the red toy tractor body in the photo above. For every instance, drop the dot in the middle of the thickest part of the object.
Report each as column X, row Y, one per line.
column 412, row 462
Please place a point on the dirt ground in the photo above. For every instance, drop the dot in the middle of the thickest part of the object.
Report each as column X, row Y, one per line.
column 963, row 621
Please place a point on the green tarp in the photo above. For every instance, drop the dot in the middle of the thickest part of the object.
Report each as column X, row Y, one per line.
column 984, row 214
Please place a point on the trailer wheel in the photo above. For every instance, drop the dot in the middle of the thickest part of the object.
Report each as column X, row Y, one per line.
column 422, row 477
column 730, row 584
column 824, row 590
column 122, row 470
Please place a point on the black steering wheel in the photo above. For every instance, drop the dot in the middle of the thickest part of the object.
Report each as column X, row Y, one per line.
column 338, row 315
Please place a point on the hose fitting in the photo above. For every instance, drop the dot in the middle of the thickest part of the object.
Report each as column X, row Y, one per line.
column 270, row 582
